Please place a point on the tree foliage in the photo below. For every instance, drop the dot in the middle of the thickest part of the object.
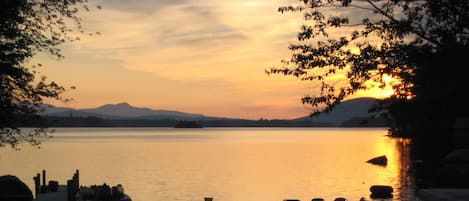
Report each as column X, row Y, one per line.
column 28, row 27
column 421, row 44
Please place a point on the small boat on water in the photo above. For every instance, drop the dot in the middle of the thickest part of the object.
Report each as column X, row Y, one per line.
column 188, row 124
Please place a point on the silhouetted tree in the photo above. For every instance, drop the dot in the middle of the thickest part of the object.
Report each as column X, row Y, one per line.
column 421, row 44
column 26, row 28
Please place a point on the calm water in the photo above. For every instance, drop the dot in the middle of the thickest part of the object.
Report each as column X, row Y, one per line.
column 229, row 164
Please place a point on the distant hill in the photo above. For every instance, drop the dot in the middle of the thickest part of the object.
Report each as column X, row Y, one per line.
column 350, row 113
column 345, row 113
column 119, row 111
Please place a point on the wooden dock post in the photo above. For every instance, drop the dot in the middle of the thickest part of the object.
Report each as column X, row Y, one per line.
column 77, row 173
column 43, row 187
column 69, row 190
column 73, row 186
column 44, row 178
column 37, row 184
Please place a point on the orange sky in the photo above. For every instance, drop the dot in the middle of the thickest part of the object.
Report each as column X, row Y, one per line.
column 197, row 56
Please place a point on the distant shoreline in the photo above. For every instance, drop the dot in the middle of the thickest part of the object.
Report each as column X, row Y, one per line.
column 209, row 127
column 98, row 122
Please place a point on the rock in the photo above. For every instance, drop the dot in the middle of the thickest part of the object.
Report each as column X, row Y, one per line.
column 380, row 160
column 317, row 199
column 13, row 189
column 443, row 194
column 381, row 191
column 340, row 199
column 458, row 156
column 125, row 198
column 451, row 176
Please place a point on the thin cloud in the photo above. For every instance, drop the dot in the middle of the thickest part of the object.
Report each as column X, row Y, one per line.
column 196, row 56
column 139, row 6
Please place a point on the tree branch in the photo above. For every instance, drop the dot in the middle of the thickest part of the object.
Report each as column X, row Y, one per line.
column 397, row 21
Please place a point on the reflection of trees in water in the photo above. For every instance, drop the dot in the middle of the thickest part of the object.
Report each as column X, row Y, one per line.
column 431, row 170
column 406, row 175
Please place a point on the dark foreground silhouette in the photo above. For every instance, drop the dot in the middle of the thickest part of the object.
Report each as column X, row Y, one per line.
column 73, row 191
column 13, row 189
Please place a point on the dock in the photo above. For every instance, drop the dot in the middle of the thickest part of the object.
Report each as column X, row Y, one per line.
column 73, row 191
column 52, row 191
column 60, row 195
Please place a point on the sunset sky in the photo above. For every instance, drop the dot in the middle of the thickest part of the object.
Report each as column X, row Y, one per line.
column 196, row 56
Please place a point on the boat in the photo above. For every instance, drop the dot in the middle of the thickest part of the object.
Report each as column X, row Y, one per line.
column 188, row 124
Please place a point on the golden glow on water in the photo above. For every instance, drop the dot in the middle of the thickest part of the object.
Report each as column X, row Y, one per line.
column 231, row 164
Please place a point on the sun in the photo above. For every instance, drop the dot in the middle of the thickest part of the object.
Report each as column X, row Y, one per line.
column 376, row 91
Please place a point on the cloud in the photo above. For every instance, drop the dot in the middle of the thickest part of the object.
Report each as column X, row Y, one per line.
column 198, row 56
column 192, row 26
column 173, row 25
column 203, row 35
column 139, row 6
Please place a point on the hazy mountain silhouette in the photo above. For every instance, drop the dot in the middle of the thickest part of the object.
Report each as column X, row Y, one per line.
column 344, row 112
column 128, row 111
column 50, row 109
column 120, row 111
column 351, row 112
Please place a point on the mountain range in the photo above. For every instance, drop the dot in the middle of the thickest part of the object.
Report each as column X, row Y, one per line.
column 118, row 112
column 354, row 111
column 346, row 111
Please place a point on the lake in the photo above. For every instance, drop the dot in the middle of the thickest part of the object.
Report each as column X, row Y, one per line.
column 228, row 164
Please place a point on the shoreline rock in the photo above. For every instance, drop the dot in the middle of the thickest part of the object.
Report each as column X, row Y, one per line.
column 13, row 189
column 381, row 191
column 380, row 160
